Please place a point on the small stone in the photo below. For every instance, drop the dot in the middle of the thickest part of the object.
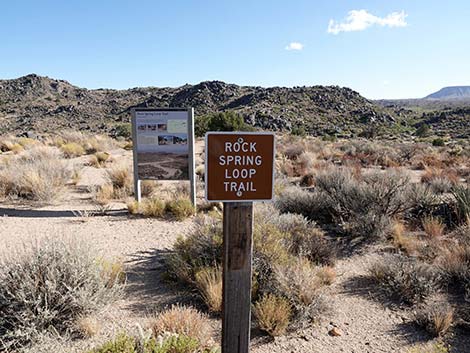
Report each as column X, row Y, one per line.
column 335, row 332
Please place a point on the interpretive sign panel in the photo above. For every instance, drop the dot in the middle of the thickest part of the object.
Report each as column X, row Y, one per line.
column 161, row 143
column 239, row 166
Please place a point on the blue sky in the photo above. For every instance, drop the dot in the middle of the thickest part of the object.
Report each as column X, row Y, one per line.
column 392, row 49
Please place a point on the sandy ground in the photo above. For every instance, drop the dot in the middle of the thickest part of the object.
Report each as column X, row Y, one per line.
column 366, row 325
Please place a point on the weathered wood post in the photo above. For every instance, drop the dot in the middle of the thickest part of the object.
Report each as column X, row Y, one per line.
column 237, row 253
column 239, row 170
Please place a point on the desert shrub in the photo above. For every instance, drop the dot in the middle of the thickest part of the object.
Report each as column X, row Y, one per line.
column 462, row 198
column 438, row 142
column 364, row 207
column 312, row 205
column 49, row 286
column 305, row 239
column 186, row 321
column 423, row 130
column 455, row 264
column 300, row 283
column 72, row 149
column 272, row 314
column 405, row 279
column 224, row 121
column 294, row 150
column 307, row 180
column 123, row 130
column 201, row 248
column 441, row 185
column 153, row 207
column 277, row 241
column 38, row 174
column 433, row 226
column 423, row 201
column 209, row 282
column 435, row 318
column 181, row 208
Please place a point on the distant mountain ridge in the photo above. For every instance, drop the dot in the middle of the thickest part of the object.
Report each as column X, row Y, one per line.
column 41, row 104
column 452, row 92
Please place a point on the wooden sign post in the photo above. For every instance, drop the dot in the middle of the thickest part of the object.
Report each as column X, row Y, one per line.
column 239, row 170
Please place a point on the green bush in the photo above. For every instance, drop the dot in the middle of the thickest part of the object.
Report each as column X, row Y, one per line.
column 223, row 121
column 438, row 142
column 423, row 130
column 47, row 287
column 123, row 130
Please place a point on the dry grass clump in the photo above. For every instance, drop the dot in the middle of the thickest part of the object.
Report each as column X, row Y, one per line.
column 180, row 208
column 273, row 314
column 455, row 264
column 186, row 321
column 209, row 282
column 9, row 144
column 121, row 178
column 153, row 207
column 72, row 150
column 49, row 286
column 99, row 159
column 89, row 144
column 112, row 271
column 405, row 279
column 87, row 326
column 435, row 318
column 103, row 194
column 133, row 206
column 406, row 243
column 165, row 343
column 433, row 226
column 148, row 188
column 38, row 174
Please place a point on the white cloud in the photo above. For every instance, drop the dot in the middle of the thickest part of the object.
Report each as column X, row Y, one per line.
column 359, row 20
column 295, row 46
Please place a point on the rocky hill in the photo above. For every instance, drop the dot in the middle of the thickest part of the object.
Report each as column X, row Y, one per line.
column 41, row 104
column 455, row 92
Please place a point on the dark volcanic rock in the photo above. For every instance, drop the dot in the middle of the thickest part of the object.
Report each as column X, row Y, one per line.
column 35, row 103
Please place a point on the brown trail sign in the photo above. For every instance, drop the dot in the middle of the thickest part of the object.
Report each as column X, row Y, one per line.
column 239, row 170
column 239, row 166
